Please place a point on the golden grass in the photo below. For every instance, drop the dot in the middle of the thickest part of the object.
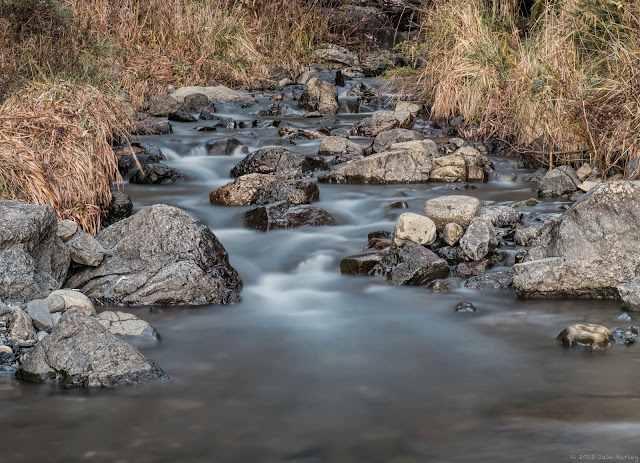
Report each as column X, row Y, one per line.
column 567, row 90
column 56, row 149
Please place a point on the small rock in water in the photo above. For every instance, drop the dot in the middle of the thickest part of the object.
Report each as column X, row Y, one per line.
column 587, row 335
column 465, row 306
column 437, row 286
column 624, row 317
column 399, row 205
column 181, row 116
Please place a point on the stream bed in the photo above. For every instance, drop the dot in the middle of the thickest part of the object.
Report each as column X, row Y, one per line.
column 318, row 367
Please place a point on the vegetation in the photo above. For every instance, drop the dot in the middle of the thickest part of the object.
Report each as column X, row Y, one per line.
column 562, row 84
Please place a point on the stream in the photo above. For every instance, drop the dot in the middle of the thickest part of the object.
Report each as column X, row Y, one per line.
column 318, row 367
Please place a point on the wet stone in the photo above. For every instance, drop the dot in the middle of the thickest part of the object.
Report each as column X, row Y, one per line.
column 360, row 264
column 282, row 215
column 181, row 116
column 492, row 280
column 471, row 269
column 465, row 306
column 412, row 264
column 158, row 174
column 587, row 335
column 437, row 286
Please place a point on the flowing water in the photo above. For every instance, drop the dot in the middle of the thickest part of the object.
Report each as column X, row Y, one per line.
column 314, row 366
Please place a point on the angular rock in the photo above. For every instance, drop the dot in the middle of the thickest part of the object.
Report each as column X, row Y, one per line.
column 451, row 233
column 85, row 249
column 218, row 95
column 162, row 105
column 559, row 181
column 411, row 264
column 465, row 306
column 411, row 106
column 630, row 294
column 422, row 147
column 501, row 216
column 384, row 140
column 360, row 264
column 414, row 227
column 284, row 215
column 127, row 326
column 319, row 96
column 158, row 174
column 589, row 250
column 194, row 103
column 120, row 208
column 181, row 116
column 335, row 146
column 452, row 168
column 453, row 254
column 66, row 229
column 56, row 303
column 72, row 300
column 337, row 56
column 38, row 310
column 382, row 121
column 587, row 335
column 524, row 236
column 479, row 239
column 242, row 191
column 397, row 166
column 160, row 255
column 492, row 280
column 292, row 191
column 81, row 352
column 275, row 160
column 455, row 208
column 21, row 326
column 472, row 269
column 33, row 260
column 584, row 172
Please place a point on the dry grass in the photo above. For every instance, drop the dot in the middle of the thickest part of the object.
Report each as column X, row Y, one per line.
column 567, row 90
column 55, row 148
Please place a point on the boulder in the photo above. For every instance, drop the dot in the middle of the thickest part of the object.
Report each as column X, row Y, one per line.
column 162, row 105
column 360, row 264
column 319, row 96
column 160, row 255
column 38, row 310
column 151, row 127
column 66, row 229
column 592, row 336
column 33, row 260
column 479, row 239
column 181, row 116
column 384, row 140
column 452, row 209
column 412, row 264
column 559, row 181
column 501, row 216
column 452, row 168
column 218, row 95
column 414, row 227
column 336, row 146
column 264, row 189
column 85, row 249
column 397, row 166
column 72, row 300
column 81, row 352
column 127, row 326
column 525, row 235
column 284, row 215
column 274, row 160
column 21, row 326
column 158, row 174
column 336, row 56
column 630, row 294
column 411, row 106
column 194, row 103
column 422, row 147
column 451, row 233
column 589, row 250
column 382, row 121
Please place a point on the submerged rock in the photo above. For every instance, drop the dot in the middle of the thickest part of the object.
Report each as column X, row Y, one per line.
column 592, row 336
column 81, row 352
column 284, row 215
column 465, row 306
column 33, row 260
column 411, row 264
column 160, row 255
column 589, row 250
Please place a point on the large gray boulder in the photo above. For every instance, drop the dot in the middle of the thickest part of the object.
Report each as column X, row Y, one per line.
column 128, row 327
column 160, row 255
column 479, row 239
column 396, row 166
column 412, row 264
column 264, row 189
column 33, row 260
column 336, row 146
column 452, row 209
column 275, row 160
column 81, row 352
column 384, row 140
column 589, row 250
column 85, row 249
column 319, row 96
column 559, row 181
column 382, row 121
column 162, row 105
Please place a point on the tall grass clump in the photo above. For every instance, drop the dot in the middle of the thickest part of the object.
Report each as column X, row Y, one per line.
column 56, row 148
column 564, row 88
